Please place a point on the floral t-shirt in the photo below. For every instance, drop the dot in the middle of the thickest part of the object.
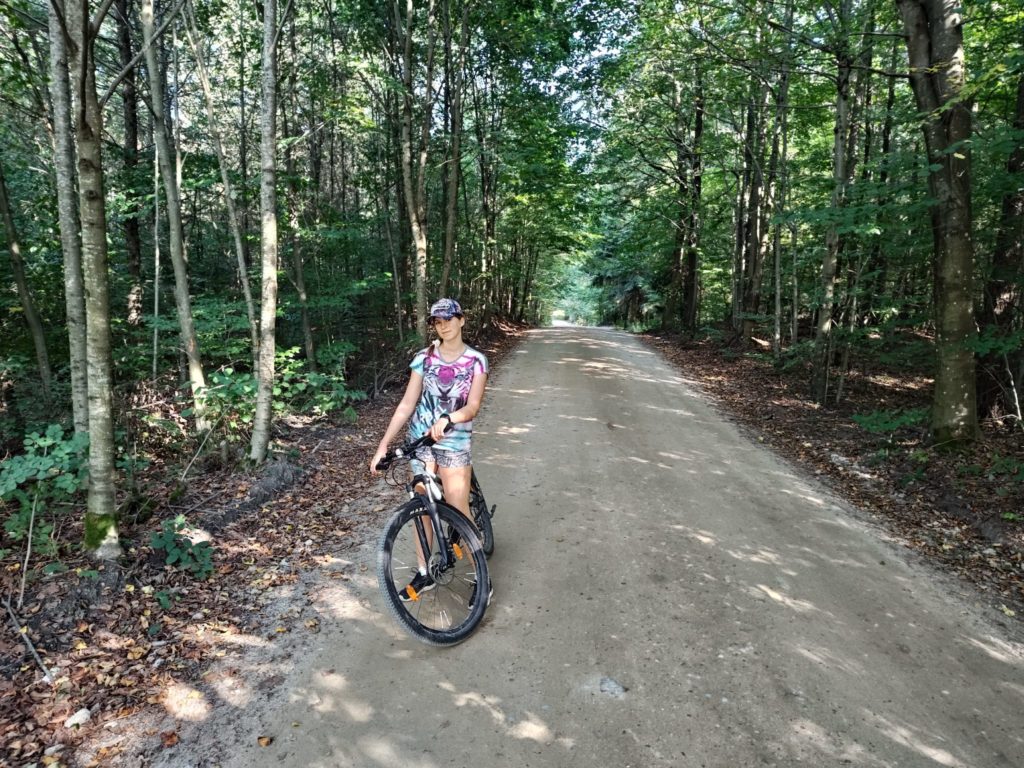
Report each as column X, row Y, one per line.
column 445, row 389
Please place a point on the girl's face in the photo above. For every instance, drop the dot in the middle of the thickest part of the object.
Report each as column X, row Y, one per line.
column 450, row 329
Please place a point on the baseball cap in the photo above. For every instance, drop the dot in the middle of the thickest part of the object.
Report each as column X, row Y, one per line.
column 446, row 309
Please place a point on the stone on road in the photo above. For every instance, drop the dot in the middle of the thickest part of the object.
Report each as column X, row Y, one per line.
column 666, row 593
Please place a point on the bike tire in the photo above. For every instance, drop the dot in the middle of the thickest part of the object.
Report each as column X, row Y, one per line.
column 482, row 518
column 441, row 616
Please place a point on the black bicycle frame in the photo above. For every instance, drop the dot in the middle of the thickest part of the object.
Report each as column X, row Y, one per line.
column 435, row 523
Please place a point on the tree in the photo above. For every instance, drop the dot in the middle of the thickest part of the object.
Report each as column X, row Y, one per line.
column 101, row 534
column 172, row 193
column 28, row 306
column 937, row 76
column 268, row 237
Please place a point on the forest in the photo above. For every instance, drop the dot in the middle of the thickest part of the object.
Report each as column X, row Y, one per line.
column 222, row 217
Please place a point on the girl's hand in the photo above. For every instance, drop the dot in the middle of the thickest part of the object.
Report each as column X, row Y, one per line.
column 440, row 427
column 381, row 452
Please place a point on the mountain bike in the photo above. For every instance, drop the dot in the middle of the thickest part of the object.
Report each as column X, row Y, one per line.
column 446, row 603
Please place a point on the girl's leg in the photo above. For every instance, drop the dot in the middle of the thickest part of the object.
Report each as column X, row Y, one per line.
column 456, row 482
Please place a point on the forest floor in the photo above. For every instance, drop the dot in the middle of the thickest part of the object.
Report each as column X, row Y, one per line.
column 130, row 643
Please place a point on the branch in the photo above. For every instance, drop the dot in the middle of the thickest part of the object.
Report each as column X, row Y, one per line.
column 27, row 640
column 280, row 28
column 100, row 15
column 142, row 52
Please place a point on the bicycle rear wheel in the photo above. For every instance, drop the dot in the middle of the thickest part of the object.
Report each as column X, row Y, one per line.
column 482, row 518
column 447, row 609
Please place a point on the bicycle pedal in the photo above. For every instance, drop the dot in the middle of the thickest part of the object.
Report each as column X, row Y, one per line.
column 458, row 551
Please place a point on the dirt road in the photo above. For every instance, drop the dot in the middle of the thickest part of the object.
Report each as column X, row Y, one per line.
column 666, row 594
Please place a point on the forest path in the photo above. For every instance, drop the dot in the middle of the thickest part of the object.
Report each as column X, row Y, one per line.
column 666, row 593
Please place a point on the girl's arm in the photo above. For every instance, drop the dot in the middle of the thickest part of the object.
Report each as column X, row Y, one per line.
column 402, row 413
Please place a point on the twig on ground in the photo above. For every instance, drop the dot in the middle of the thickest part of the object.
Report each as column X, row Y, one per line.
column 16, row 625
column 28, row 549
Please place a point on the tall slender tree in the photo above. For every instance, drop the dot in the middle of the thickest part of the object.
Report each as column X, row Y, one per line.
column 938, row 77
column 260, row 442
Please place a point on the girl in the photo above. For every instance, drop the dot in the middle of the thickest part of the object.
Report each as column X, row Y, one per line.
column 446, row 386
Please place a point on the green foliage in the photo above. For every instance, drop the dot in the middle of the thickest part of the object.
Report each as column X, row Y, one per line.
column 888, row 422
column 39, row 481
column 180, row 551
column 230, row 396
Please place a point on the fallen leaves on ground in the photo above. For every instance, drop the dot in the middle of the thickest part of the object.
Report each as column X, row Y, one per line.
column 117, row 638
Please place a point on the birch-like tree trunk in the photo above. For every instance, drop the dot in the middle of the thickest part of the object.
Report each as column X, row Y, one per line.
column 176, row 233
column 414, row 169
column 101, row 535
column 130, row 221
column 840, row 181
column 68, row 220
column 295, row 208
column 234, row 220
column 268, row 237
column 451, row 215
column 938, row 76
column 28, row 307
column 691, row 279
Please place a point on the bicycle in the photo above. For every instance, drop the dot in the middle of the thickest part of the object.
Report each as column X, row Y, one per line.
column 427, row 532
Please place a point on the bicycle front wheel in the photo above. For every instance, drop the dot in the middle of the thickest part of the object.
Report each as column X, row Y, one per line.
column 444, row 606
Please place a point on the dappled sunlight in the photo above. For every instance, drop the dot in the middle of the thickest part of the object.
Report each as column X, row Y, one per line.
column 508, row 431
column 761, row 557
column 805, row 496
column 800, row 606
column 531, row 728
column 815, row 742
column 914, row 739
column 387, row 755
column 662, row 409
column 185, row 702
column 1000, row 650
column 702, row 536
column 826, row 657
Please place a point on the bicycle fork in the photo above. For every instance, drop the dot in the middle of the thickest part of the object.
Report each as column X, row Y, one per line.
column 445, row 552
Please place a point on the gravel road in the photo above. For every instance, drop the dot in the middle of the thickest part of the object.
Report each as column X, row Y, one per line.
column 667, row 593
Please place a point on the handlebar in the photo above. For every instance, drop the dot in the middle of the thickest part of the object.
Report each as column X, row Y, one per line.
column 406, row 450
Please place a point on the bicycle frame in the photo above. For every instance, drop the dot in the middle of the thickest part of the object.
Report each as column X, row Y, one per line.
column 429, row 497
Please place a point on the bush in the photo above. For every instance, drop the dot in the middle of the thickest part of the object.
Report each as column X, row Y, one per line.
column 47, row 475
column 180, row 551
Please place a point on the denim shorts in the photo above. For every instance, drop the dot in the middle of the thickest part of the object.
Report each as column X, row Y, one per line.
column 448, row 459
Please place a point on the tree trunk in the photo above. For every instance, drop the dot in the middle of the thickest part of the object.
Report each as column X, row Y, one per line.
column 455, row 160
column 294, row 217
column 691, row 278
column 67, row 216
column 414, row 169
column 998, row 389
column 234, row 221
column 758, row 204
column 268, row 237
column 780, row 144
column 28, row 307
column 937, row 76
column 172, row 193
column 130, row 222
column 672, row 319
column 101, row 535
column 840, row 181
